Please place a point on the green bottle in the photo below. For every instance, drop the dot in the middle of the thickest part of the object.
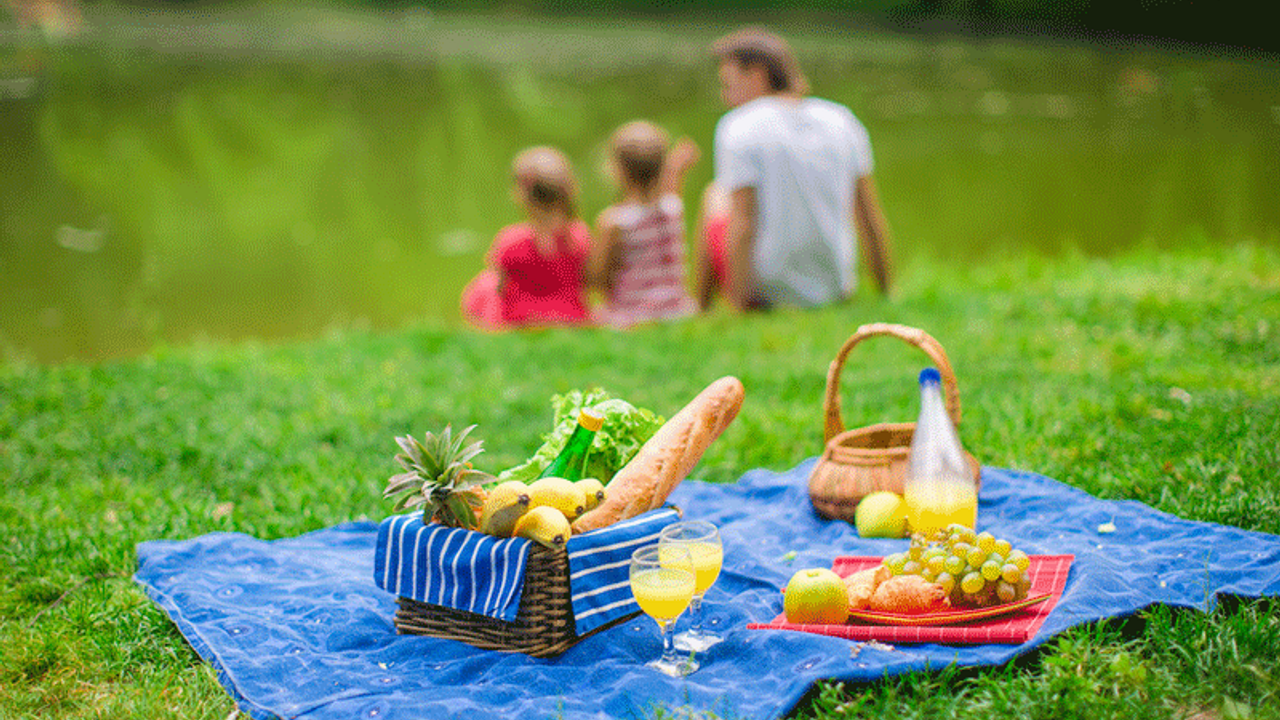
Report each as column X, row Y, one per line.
column 572, row 460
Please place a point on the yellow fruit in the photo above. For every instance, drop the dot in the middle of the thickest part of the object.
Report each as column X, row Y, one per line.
column 593, row 492
column 881, row 514
column 816, row 596
column 557, row 493
column 505, row 504
column 545, row 525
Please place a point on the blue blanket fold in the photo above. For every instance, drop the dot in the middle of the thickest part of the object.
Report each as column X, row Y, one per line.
column 297, row 628
column 481, row 574
column 600, row 568
column 450, row 566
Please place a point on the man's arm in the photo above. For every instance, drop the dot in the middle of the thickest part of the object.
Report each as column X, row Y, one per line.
column 740, row 242
column 873, row 232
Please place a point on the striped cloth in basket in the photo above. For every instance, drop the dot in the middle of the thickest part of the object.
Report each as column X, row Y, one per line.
column 478, row 573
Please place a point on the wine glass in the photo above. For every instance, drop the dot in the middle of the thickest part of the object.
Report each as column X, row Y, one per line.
column 702, row 539
column 662, row 580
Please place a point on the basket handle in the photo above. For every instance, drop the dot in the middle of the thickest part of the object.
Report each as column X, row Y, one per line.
column 921, row 339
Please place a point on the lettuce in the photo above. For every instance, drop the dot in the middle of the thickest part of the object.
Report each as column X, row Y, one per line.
column 626, row 427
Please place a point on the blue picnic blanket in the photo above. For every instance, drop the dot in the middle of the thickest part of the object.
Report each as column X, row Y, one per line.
column 297, row 628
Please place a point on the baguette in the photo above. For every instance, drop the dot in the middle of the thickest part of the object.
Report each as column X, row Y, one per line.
column 666, row 458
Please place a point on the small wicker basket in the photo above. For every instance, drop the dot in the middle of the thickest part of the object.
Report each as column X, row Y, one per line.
column 544, row 624
column 858, row 462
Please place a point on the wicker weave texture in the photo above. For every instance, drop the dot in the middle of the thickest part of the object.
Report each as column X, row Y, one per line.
column 543, row 627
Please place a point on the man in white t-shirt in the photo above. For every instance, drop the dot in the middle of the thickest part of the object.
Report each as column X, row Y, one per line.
column 796, row 174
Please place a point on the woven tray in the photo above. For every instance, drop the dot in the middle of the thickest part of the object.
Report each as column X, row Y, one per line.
column 857, row 462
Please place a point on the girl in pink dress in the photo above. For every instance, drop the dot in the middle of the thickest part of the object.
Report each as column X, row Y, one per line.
column 536, row 272
column 638, row 259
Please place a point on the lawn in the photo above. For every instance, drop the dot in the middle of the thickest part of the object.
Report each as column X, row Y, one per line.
column 1151, row 375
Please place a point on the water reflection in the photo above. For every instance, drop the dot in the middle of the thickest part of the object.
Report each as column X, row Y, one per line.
column 86, row 240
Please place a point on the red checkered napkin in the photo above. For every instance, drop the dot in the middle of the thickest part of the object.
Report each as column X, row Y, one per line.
column 1048, row 575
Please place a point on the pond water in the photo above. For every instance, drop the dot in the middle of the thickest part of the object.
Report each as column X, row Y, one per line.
column 172, row 177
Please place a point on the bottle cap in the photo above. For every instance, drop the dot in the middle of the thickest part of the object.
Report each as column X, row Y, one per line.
column 590, row 419
column 930, row 375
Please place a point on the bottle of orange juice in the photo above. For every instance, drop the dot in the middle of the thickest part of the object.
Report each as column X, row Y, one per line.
column 939, row 489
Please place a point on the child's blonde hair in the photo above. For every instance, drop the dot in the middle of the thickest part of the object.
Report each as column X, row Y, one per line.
column 640, row 149
column 545, row 179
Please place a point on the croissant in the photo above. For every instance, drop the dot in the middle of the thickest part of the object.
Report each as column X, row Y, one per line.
column 909, row 594
column 861, row 585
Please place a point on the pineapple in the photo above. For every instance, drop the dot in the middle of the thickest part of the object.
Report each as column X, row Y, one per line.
column 440, row 478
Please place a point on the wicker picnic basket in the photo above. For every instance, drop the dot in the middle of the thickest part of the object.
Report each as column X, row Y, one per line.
column 543, row 626
column 857, row 462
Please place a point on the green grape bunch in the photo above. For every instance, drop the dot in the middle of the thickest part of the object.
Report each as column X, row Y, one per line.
column 974, row 569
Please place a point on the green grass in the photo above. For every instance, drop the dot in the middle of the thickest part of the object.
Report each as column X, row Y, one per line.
column 1150, row 376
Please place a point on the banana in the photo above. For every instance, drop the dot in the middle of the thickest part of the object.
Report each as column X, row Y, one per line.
column 504, row 506
column 545, row 525
column 558, row 493
column 593, row 489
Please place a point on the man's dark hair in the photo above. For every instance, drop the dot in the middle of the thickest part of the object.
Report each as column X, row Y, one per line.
column 759, row 47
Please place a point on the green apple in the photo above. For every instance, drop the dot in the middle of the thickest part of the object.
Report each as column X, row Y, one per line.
column 816, row 595
column 882, row 514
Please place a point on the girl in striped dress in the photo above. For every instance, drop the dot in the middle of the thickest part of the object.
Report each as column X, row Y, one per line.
column 638, row 259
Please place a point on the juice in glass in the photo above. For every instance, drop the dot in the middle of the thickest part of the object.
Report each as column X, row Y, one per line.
column 662, row 593
column 662, row 583
column 707, row 559
column 935, row 504
column 700, row 541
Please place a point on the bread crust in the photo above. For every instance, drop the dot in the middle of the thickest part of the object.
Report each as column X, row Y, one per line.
column 910, row 594
column 665, row 459
column 861, row 585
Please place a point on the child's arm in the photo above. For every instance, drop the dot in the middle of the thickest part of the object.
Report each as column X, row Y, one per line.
column 705, row 290
column 682, row 157
column 603, row 258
